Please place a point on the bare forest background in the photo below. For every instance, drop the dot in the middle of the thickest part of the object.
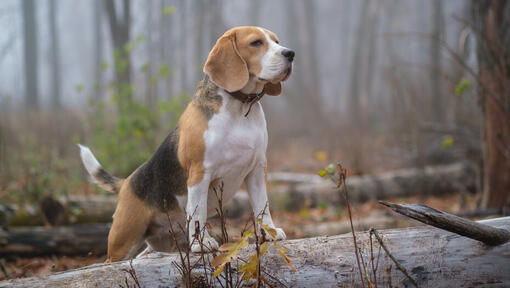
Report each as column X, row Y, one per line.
column 378, row 85
column 412, row 96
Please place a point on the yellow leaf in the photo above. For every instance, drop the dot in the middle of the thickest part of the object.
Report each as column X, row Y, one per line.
column 219, row 259
column 231, row 249
column 288, row 261
column 218, row 271
column 263, row 248
column 271, row 231
column 321, row 155
column 226, row 247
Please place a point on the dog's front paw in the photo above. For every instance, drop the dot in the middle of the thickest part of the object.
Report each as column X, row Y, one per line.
column 209, row 245
column 280, row 234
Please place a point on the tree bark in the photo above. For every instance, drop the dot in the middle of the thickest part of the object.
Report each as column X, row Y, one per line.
column 97, row 18
column 55, row 55
column 492, row 18
column 432, row 180
column 435, row 258
column 120, row 27
column 69, row 240
column 30, row 54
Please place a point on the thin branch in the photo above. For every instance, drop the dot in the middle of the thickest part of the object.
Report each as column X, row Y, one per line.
column 457, row 58
column 342, row 174
column 484, row 233
column 400, row 267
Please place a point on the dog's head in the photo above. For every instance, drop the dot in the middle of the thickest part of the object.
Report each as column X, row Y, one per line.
column 249, row 51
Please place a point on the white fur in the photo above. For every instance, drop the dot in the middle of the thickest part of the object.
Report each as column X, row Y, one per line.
column 89, row 161
column 235, row 151
column 274, row 64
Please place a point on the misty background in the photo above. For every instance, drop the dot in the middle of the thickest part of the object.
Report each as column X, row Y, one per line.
column 374, row 85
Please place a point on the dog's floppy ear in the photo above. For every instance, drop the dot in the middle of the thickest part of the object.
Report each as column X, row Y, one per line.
column 225, row 66
column 273, row 89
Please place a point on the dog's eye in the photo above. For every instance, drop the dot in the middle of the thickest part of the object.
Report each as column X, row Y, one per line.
column 256, row 43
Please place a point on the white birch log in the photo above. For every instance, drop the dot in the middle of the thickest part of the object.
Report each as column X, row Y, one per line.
column 435, row 258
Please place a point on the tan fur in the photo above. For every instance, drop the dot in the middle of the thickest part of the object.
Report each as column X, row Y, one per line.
column 273, row 89
column 232, row 60
column 128, row 228
column 191, row 151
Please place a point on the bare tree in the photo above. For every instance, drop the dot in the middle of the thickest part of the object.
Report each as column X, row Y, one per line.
column 305, row 100
column 55, row 55
column 30, row 54
column 120, row 27
column 492, row 20
column 98, row 44
column 436, row 98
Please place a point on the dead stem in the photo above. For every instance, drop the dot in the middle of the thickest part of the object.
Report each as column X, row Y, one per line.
column 399, row 267
column 372, row 260
column 342, row 175
column 131, row 271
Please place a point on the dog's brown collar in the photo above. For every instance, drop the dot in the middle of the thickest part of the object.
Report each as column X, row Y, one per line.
column 248, row 98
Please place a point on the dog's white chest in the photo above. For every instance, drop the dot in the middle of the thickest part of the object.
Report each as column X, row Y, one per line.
column 234, row 144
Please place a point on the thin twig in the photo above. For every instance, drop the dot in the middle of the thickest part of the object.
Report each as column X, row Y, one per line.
column 399, row 267
column 342, row 174
column 372, row 260
column 131, row 271
column 457, row 58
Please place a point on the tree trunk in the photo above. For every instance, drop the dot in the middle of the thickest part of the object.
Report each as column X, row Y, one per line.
column 120, row 27
column 436, row 96
column 30, row 54
column 98, row 46
column 68, row 240
column 55, row 55
column 435, row 258
column 492, row 19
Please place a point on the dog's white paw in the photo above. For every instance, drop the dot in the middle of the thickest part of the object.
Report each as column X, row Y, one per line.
column 209, row 243
column 280, row 234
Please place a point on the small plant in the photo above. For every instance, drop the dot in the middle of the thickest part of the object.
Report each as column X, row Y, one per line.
column 135, row 126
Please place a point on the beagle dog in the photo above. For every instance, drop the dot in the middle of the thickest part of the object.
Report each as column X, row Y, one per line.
column 220, row 138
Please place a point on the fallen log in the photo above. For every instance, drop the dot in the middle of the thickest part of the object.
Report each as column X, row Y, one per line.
column 435, row 258
column 449, row 222
column 428, row 181
column 293, row 191
column 67, row 240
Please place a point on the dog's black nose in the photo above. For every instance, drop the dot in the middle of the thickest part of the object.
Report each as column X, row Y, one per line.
column 289, row 54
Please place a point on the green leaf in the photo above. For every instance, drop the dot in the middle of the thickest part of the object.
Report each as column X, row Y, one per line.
column 104, row 65
column 463, row 86
column 168, row 10
column 447, row 142
column 79, row 88
column 139, row 39
column 145, row 67
column 330, row 169
column 163, row 70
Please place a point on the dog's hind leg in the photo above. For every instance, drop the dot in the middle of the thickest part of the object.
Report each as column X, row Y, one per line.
column 129, row 227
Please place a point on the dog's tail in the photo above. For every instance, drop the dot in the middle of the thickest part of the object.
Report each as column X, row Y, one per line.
column 98, row 175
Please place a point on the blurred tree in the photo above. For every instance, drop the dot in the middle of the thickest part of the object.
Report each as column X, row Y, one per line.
column 198, row 28
column 98, row 44
column 492, row 20
column 305, row 100
column 30, row 54
column 436, row 76
column 120, row 27
column 55, row 55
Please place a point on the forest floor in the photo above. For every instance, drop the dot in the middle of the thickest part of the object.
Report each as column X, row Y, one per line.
column 294, row 224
